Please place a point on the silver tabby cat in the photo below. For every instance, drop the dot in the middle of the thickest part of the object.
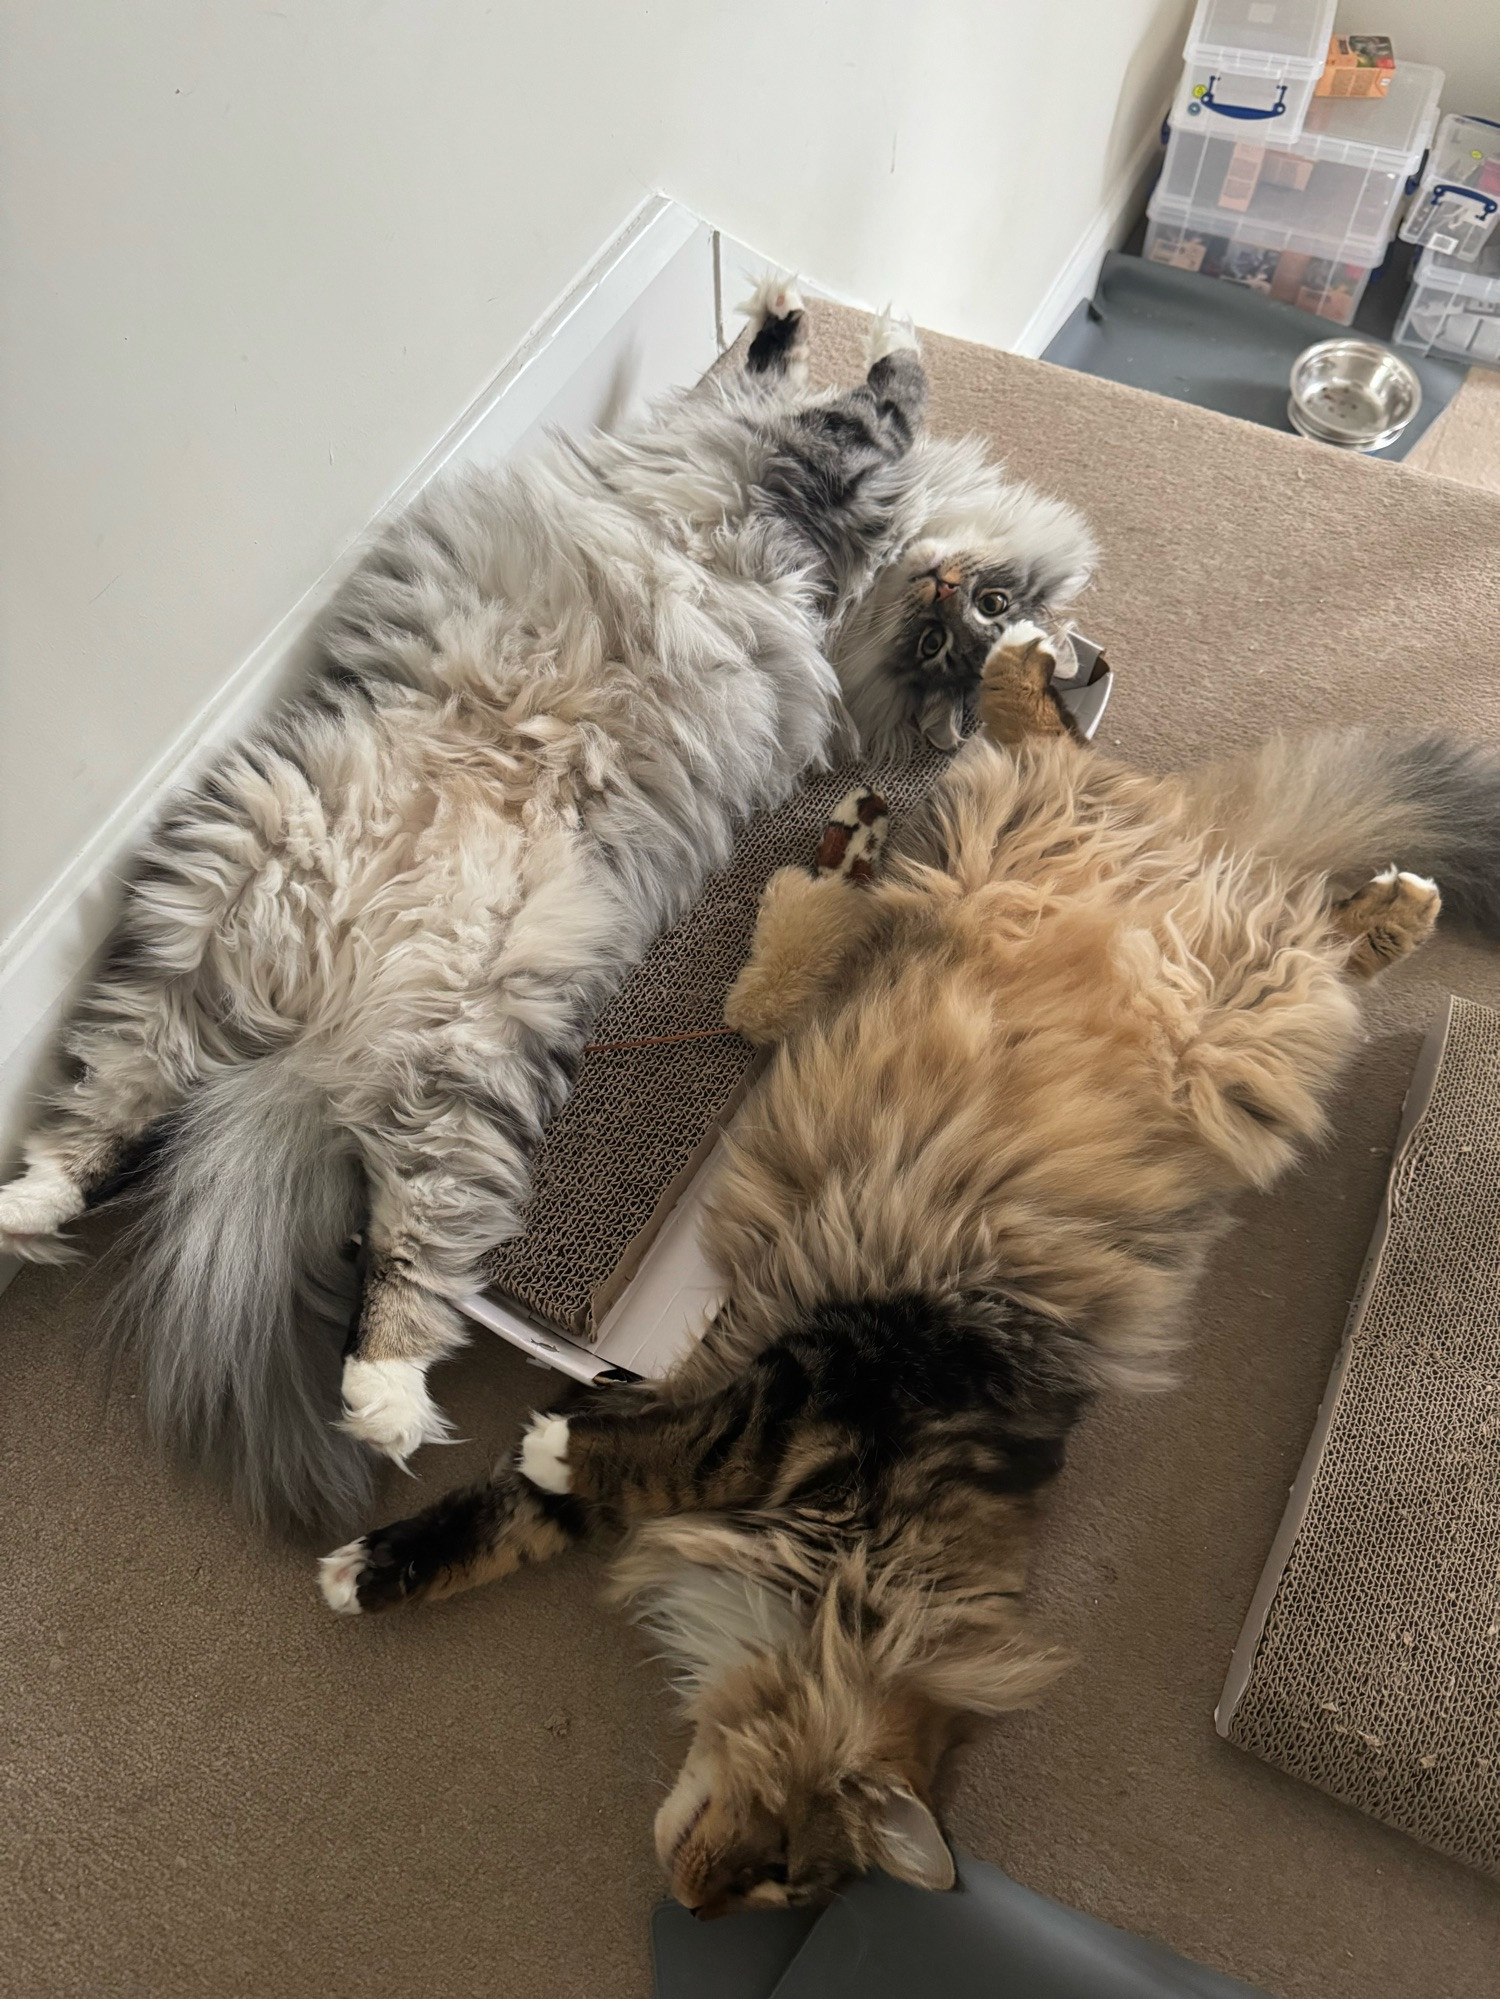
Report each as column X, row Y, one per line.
column 357, row 961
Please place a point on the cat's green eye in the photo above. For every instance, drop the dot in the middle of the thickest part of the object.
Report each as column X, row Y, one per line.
column 992, row 603
column 931, row 642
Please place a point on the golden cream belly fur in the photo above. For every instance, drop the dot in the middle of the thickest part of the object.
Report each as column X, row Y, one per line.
column 1014, row 1084
column 1037, row 1063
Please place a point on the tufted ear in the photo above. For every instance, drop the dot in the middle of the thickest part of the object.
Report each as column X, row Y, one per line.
column 910, row 1842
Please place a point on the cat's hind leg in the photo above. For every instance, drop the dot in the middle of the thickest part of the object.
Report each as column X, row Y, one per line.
column 1278, row 1022
column 467, row 1538
column 158, row 1015
column 134, row 1049
column 446, row 1182
column 1386, row 920
column 623, row 1455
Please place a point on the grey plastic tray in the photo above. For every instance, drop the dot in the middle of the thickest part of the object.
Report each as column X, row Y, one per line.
column 989, row 1939
column 1219, row 345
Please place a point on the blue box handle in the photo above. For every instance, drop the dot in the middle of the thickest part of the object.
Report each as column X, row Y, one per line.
column 1440, row 187
column 1204, row 100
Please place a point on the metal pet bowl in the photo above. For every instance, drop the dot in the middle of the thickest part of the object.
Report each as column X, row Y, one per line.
column 1352, row 393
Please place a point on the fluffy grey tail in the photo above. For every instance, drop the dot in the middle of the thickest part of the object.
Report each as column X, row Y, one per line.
column 1347, row 803
column 238, row 1292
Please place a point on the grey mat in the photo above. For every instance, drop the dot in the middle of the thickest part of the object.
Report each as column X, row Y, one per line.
column 1218, row 345
column 882, row 1940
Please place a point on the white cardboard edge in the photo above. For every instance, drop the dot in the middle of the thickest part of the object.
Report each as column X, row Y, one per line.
column 660, row 1315
column 1299, row 1498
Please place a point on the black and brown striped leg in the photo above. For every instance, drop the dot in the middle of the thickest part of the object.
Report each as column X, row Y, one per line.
column 620, row 1456
column 469, row 1537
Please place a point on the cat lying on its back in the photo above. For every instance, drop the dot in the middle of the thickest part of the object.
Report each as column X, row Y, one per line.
column 1015, row 1083
column 357, row 962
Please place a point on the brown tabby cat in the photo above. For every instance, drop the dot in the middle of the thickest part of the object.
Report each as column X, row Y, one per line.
column 1015, row 1083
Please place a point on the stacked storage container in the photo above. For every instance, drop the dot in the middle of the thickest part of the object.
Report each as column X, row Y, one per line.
column 1454, row 307
column 1254, row 64
column 1456, row 210
column 1291, row 194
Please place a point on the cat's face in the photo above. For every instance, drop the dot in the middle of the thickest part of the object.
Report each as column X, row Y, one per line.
column 952, row 605
column 746, row 1828
column 936, row 615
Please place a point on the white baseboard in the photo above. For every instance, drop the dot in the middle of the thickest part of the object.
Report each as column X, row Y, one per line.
column 1108, row 230
column 640, row 319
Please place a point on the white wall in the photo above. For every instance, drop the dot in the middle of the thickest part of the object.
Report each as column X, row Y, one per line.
column 1460, row 37
column 259, row 256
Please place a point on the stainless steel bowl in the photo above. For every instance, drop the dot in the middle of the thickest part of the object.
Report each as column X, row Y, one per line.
column 1352, row 393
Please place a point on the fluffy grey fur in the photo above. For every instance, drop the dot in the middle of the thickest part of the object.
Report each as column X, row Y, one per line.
column 358, row 960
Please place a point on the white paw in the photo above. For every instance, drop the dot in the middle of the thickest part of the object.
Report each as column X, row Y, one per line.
column 544, row 1454
column 1427, row 886
column 34, row 1208
column 386, row 1405
column 1023, row 634
column 891, row 333
column 773, row 298
column 338, row 1578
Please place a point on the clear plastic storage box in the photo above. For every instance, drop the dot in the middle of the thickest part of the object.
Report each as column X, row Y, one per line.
column 1332, row 192
column 1252, row 65
column 1456, row 210
column 1454, row 307
column 1315, row 281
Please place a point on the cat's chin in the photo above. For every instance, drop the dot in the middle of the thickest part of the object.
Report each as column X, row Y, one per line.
column 940, row 720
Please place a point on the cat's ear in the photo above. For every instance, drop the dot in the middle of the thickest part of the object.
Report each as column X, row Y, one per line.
column 910, row 1844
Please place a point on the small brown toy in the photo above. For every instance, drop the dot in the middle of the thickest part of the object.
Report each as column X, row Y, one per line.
column 1357, row 66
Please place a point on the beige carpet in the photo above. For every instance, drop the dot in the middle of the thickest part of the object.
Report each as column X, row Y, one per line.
column 213, row 1788
column 1464, row 443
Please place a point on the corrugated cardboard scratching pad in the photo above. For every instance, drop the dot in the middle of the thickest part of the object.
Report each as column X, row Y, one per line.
column 639, row 1117
column 1370, row 1663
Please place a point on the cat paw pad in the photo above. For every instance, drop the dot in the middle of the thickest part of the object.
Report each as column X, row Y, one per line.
column 339, row 1577
column 775, row 297
column 1388, row 918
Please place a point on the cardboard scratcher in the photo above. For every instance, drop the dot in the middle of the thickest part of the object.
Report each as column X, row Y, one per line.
column 1370, row 1661
column 607, row 1271
column 607, row 1274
